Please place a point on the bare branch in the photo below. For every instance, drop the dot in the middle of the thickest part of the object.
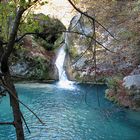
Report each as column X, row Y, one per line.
column 2, row 93
column 31, row 33
column 11, row 93
column 25, row 122
column 74, row 32
column 6, row 123
column 85, row 14
column 89, row 46
column 91, row 38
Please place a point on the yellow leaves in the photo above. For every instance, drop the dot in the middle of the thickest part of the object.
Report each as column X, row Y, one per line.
column 76, row 1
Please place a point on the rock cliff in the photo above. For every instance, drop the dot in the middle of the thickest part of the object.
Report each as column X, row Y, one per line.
column 120, row 69
column 34, row 57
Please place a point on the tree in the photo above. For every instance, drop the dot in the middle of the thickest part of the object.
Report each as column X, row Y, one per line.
column 9, row 28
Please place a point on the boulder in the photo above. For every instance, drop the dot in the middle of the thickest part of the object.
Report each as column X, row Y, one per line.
column 132, row 81
column 34, row 57
column 136, row 101
column 34, row 62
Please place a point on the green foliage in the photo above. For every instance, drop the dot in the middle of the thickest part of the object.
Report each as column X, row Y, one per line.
column 41, row 70
column 73, row 52
column 32, row 23
column 7, row 15
column 48, row 46
column 102, row 80
column 58, row 42
column 52, row 29
column 78, row 78
column 112, row 83
column 8, row 12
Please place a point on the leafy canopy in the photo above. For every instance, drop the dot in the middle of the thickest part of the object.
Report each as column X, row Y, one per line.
column 8, row 11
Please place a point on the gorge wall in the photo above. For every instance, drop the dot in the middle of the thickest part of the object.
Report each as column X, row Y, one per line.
column 119, row 67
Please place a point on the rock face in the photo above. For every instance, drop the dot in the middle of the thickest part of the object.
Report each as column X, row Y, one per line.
column 126, row 44
column 132, row 84
column 132, row 80
column 33, row 62
column 76, row 45
column 60, row 9
column 81, row 55
column 34, row 58
column 123, row 62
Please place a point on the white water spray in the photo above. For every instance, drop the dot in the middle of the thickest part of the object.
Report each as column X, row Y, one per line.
column 63, row 80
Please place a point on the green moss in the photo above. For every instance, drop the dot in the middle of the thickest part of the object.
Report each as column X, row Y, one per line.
column 58, row 41
column 78, row 78
column 73, row 52
column 127, row 34
column 110, row 98
column 112, row 83
column 101, row 80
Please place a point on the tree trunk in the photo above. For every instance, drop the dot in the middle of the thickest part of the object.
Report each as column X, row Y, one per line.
column 15, row 107
column 7, row 81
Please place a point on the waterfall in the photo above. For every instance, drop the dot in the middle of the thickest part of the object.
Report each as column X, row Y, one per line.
column 63, row 80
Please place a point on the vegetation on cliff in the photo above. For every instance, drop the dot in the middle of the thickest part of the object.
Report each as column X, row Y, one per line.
column 34, row 56
column 119, row 58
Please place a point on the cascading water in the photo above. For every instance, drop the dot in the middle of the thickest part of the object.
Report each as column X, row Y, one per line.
column 63, row 80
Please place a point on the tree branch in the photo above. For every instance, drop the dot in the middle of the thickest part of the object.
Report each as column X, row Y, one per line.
column 85, row 14
column 11, row 42
column 90, row 44
column 2, row 93
column 91, row 38
column 11, row 93
column 6, row 123
column 67, row 31
column 25, row 122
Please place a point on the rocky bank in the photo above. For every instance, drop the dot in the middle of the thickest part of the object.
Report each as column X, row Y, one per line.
column 34, row 57
column 119, row 67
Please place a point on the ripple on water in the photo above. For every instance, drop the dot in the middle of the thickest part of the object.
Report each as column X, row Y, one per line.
column 68, row 117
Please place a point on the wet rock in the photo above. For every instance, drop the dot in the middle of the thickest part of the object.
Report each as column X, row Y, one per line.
column 35, row 57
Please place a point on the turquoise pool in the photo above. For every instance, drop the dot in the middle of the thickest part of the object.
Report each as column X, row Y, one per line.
column 71, row 114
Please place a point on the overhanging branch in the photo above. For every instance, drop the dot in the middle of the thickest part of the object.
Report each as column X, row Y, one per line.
column 85, row 14
column 74, row 32
column 6, row 123
column 11, row 93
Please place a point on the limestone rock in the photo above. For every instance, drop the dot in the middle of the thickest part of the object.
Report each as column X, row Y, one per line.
column 76, row 45
column 34, row 62
column 132, row 80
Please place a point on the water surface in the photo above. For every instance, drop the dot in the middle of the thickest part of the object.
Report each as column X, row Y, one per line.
column 70, row 114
